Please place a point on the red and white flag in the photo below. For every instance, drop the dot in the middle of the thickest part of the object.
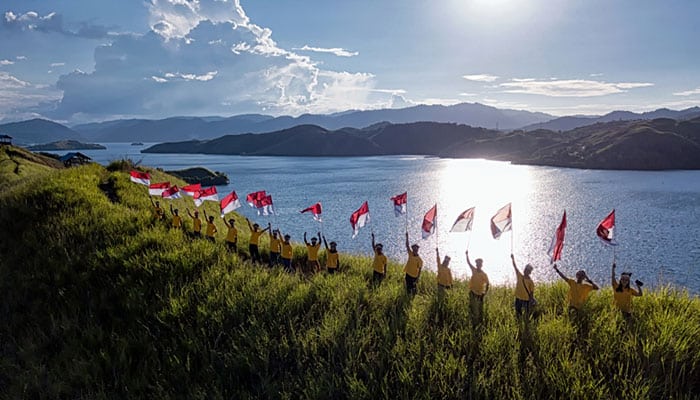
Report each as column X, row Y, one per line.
column 315, row 210
column 400, row 203
column 229, row 203
column 557, row 241
column 464, row 221
column 157, row 189
column 359, row 218
column 265, row 206
column 429, row 222
column 171, row 193
column 254, row 199
column 190, row 190
column 142, row 178
column 605, row 229
column 502, row 221
column 208, row 194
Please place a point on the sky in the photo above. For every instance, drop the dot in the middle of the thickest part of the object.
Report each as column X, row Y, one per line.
column 79, row 61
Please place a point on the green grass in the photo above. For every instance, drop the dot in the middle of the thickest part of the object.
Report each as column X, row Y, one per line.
column 98, row 301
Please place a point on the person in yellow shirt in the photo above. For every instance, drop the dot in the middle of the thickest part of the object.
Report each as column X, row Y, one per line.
column 578, row 288
column 378, row 263
column 312, row 253
column 287, row 253
column 524, row 289
column 444, row 276
column 622, row 292
column 211, row 227
column 478, row 287
column 255, row 234
column 196, row 223
column 177, row 220
column 332, row 263
column 231, row 234
column 158, row 212
column 413, row 266
column 275, row 245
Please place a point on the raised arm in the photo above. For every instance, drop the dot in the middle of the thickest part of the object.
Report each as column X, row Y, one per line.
column 559, row 272
column 267, row 228
column 469, row 263
column 225, row 222
column 325, row 243
column 171, row 209
column 189, row 213
column 306, row 242
column 373, row 245
column 515, row 266
column 639, row 287
column 587, row 279
column 151, row 199
column 613, row 280
column 408, row 246
column 206, row 218
column 318, row 235
column 250, row 226
column 437, row 255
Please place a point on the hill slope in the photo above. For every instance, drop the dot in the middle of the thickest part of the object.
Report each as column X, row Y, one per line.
column 38, row 131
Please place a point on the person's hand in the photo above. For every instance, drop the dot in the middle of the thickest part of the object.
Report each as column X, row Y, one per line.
column 406, row 235
column 318, row 233
column 614, row 265
column 555, row 266
column 639, row 283
column 512, row 256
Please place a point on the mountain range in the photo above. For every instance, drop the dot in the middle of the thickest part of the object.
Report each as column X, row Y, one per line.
column 573, row 122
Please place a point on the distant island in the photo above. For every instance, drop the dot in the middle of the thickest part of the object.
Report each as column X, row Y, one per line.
column 658, row 144
column 66, row 145
column 200, row 175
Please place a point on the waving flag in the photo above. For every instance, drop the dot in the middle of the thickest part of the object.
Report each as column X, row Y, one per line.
column 157, row 189
column 142, row 178
column 190, row 190
column 208, row 194
column 265, row 206
column 557, row 241
column 254, row 199
column 315, row 210
column 229, row 203
column 400, row 203
column 605, row 229
column 464, row 221
column 359, row 218
column 171, row 193
column 502, row 221
column 429, row 222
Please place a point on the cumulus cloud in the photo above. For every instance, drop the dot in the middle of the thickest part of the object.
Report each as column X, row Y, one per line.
column 400, row 101
column 691, row 92
column 568, row 87
column 480, row 77
column 338, row 51
column 6, row 62
column 21, row 58
column 57, row 64
column 51, row 22
column 18, row 98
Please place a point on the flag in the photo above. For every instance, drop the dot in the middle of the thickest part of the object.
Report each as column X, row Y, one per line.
column 429, row 222
column 265, row 206
column 142, row 178
column 501, row 222
column 464, row 221
column 400, row 203
column 359, row 218
column 190, row 190
column 208, row 194
column 315, row 210
column 171, row 193
column 157, row 189
column 253, row 199
column 605, row 229
column 229, row 203
column 557, row 241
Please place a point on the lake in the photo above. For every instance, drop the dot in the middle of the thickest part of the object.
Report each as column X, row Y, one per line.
column 657, row 213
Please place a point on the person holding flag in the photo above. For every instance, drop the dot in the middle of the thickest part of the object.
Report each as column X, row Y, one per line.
column 287, row 253
column 413, row 266
column 177, row 221
column 444, row 274
column 478, row 287
column 231, row 234
column 332, row 263
column 158, row 212
column 578, row 288
column 196, row 223
column 622, row 292
column 524, row 289
column 211, row 227
column 312, row 248
column 378, row 263
column 275, row 245
column 255, row 234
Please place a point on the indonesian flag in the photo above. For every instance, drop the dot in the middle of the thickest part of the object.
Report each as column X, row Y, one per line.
column 400, row 203
column 142, row 178
column 359, row 218
column 557, row 241
column 254, row 199
column 229, row 203
column 190, row 190
column 171, row 193
column 265, row 206
column 502, row 221
column 157, row 189
column 605, row 229
column 315, row 210
column 208, row 194
column 429, row 222
column 464, row 221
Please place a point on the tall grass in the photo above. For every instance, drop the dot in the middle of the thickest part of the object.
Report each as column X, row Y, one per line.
column 99, row 301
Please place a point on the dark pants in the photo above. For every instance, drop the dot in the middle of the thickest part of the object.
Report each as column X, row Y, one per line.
column 211, row 238
column 233, row 246
column 331, row 270
column 411, row 284
column 254, row 253
column 476, row 306
column 377, row 277
column 274, row 258
column 287, row 263
column 521, row 305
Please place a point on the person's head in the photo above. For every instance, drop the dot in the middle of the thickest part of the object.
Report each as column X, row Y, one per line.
column 196, row 213
column 313, row 241
column 157, row 203
column 580, row 275
column 479, row 263
column 446, row 261
column 414, row 249
column 255, row 227
column 231, row 222
column 625, row 280
column 379, row 248
column 176, row 211
column 527, row 270
column 333, row 245
column 211, row 219
column 286, row 238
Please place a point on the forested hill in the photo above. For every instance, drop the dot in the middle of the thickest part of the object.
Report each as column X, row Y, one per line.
column 657, row 144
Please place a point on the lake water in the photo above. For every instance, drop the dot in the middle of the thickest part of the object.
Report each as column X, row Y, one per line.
column 657, row 213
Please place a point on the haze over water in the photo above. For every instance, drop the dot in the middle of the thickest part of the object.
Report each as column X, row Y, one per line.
column 658, row 222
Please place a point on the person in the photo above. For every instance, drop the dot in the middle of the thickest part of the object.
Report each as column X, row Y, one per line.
column 158, row 212
column 332, row 262
column 255, row 234
column 444, row 274
column 287, row 253
column 211, row 227
column 622, row 292
column 177, row 220
column 231, row 234
column 196, row 223
column 312, row 253
column 275, row 245
column 478, row 287
column 578, row 288
column 379, row 262
column 524, row 289
column 413, row 266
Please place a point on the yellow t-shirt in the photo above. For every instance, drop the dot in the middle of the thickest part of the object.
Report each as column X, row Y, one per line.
column 275, row 244
column 158, row 212
column 332, row 260
column 413, row 265
column 196, row 224
column 444, row 276
column 232, row 235
column 623, row 300
column 578, row 293
column 177, row 221
column 313, row 251
column 211, row 229
column 255, row 237
column 478, row 282
column 287, row 251
column 520, row 292
column 379, row 263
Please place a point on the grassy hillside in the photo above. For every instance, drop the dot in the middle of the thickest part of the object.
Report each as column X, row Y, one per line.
column 98, row 301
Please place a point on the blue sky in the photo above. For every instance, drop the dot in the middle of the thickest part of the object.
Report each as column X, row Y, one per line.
column 87, row 60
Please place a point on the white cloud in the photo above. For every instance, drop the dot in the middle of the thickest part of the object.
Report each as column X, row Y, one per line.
column 6, row 62
column 159, row 79
column 480, row 77
column 338, row 51
column 595, row 75
column 21, row 58
column 400, row 101
column 18, row 98
column 691, row 92
column 57, row 64
column 8, row 81
column 465, row 94
column 568, row 87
